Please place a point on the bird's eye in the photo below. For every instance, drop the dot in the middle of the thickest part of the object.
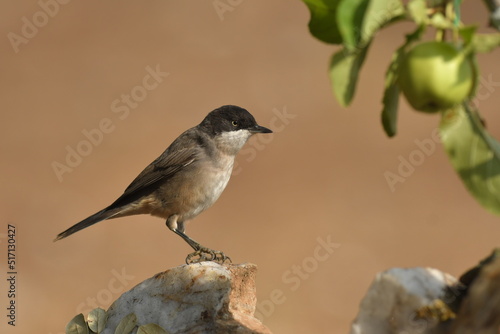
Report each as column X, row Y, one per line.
column 235, row 123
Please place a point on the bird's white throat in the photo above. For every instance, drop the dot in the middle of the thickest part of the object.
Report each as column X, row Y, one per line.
column 231, row 142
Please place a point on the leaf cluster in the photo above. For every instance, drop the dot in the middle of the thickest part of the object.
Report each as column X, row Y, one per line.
column 353, row 25
column 96, row 322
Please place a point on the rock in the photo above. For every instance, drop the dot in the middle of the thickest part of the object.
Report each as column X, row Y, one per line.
column 480, row 310
column 197, row 298
column 392, row 301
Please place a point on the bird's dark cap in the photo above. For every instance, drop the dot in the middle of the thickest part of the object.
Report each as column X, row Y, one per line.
column 230, row 118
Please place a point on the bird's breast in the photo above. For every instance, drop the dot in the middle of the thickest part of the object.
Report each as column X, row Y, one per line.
column 195, row 189
column 211, row 182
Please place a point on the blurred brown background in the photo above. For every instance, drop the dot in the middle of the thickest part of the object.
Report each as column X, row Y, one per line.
column 319, row 177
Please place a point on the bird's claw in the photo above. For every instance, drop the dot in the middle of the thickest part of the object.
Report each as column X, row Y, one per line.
column 206, row 254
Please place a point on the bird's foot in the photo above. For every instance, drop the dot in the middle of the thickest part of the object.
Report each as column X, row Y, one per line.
column 207, row 254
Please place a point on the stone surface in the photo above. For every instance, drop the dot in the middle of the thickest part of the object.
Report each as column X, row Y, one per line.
column 391, row 302
column 197, row 298
column 480, row 310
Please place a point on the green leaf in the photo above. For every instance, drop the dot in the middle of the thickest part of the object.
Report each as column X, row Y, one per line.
column 418, row 11
column 439, row 21
column 77, row 325
column 350, row 16
column 359, row 20
column 127, row 324
column 474, row 154
column 97, row 320
column 151, row 329
column 391, row 98
column 485, row 43
column 469, row 36
column 475, row 69
column 379, row 14
column 391, row 92
column 344, row 71
column 323, row 23
column 467, row 33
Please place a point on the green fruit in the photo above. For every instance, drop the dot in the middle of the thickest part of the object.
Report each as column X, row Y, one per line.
column 435, row 76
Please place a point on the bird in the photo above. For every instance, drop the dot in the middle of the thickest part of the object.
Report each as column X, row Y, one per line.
column 186, row 179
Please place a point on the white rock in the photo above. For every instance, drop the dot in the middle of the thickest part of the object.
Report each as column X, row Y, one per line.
column 391, row 302
column 197, row 298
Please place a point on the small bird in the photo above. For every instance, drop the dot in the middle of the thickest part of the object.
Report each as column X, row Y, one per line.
column 187, row 178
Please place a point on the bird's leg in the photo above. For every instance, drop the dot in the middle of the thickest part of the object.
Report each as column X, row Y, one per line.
column 201, row 253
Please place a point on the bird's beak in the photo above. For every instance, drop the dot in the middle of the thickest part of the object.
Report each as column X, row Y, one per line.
column 260, row 129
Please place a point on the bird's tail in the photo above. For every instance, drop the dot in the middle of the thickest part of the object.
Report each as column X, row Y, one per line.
column 95, row 218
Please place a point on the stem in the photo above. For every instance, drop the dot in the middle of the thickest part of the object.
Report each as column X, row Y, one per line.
column 456, row 7
column 440, row 35
column 452, row 13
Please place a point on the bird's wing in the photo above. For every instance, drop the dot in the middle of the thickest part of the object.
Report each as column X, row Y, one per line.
column 160, row 170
